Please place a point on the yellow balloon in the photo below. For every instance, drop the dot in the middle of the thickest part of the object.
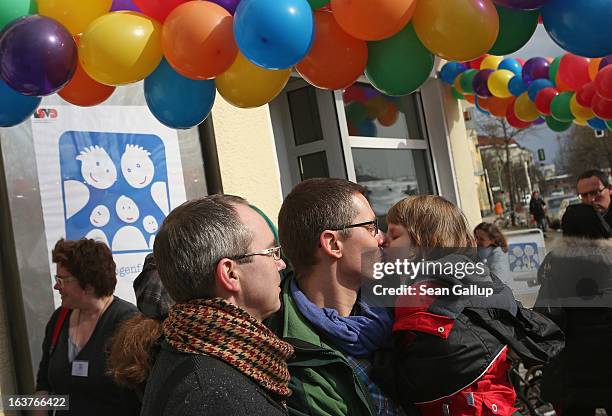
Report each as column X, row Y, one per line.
column 580, row 111
column 247, row 85
column 491, row 62
column 580, row 122
column 525, row 109
column 456, row 30
column 121, row 47
column 75, row 15
column 498, row 83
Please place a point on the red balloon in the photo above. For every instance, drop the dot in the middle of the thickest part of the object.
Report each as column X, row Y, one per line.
column 354, row 93
column 584, row 96
column 469, row 98
column 521, row 61
column 158, row 9
column 513, row 120
column 475, row 64
column 574, row 71
column 544, row 99
column 602, row 107
column 603, row 82
column 499, row 106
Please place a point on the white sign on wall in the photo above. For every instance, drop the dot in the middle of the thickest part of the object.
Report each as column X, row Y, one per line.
column 111, row 173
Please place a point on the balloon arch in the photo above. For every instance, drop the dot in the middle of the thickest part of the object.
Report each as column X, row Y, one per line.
column 187, row 51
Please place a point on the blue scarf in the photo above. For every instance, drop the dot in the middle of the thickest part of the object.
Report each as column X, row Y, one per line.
column 357, row 336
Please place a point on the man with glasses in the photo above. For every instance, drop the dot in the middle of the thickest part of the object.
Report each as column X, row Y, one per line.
column 326, row 226
column 218, row 259
column 593, row 187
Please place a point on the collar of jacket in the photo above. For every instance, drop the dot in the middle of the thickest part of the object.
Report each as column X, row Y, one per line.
column 310, row 350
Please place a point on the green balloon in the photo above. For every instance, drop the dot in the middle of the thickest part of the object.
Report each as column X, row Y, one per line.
column 554, row 69
column 457, row 94
column 355, row 112
column 12, row 9
column 609, row 124
column 560, row 107
column 317, row 4
column 400, row 64
column 466, row 80
column 516, row 27
column 556, row 125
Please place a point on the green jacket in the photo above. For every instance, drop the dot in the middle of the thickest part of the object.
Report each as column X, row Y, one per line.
column 322, row 381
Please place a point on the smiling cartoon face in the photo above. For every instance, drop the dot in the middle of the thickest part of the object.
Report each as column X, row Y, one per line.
column 127, row 210
column 97, row 168
column 149, row 223
column 136, row 166
column 99, row 216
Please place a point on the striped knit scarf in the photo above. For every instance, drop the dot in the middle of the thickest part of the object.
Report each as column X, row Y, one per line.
column 220, row 329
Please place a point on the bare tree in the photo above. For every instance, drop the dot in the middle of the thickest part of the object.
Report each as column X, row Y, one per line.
column 496, row 127
column 581, row 150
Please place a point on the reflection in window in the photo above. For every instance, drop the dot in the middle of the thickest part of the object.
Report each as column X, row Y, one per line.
column 370, row 113
column 390, row 175
column 313, row 165
column 305, row 115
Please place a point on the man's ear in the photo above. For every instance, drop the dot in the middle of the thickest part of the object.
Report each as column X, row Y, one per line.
column 227, row 275
column 331, row 244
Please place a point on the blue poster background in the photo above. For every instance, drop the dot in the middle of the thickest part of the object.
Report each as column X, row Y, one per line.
column 73, row 144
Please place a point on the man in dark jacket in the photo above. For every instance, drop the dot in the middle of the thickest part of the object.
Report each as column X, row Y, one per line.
column 593, row 187
column 325, row 226
column 576, row 293
column 219, row 260
column 536, row 208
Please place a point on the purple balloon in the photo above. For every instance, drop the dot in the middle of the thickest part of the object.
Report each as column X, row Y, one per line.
column 479, row 83
column 229, row 5
column 538, row 121
column 605, row 62
column 124, row 5
column 39, row 56
column 535, row 68
column 521, row 4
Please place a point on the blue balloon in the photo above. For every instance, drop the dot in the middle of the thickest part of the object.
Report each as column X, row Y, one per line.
column 450, row 70
column 177, row 101
column 512, row 65
column 15, row 107
column 536, row 86
column 516, row 86
column 274, row 34
column 366, row 128
column 597, row 124
column 580, row 26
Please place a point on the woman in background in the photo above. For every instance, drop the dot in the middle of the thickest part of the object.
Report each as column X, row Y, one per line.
column 493, row 249
column 74, row 349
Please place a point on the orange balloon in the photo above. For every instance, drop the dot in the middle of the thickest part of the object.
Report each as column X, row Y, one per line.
column 499, row 106
column 594, row 67
column 198, row 41
column 469, row 98
column 456, row 30
column 82, row 89
column 484, row 103
column 335, row 59
column 389, row 115
column 373, row 19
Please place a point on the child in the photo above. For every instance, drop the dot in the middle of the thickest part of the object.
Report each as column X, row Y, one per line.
column 492, row 249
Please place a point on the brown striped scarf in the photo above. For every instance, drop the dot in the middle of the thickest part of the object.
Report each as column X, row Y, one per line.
column 220, row 329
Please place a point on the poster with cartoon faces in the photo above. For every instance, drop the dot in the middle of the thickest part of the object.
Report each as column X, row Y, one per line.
column 114, row 188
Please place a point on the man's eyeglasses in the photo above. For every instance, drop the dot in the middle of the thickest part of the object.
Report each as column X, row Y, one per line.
column 371, row 226
column 62, row 280
column 274, row 252
column 592, row 194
